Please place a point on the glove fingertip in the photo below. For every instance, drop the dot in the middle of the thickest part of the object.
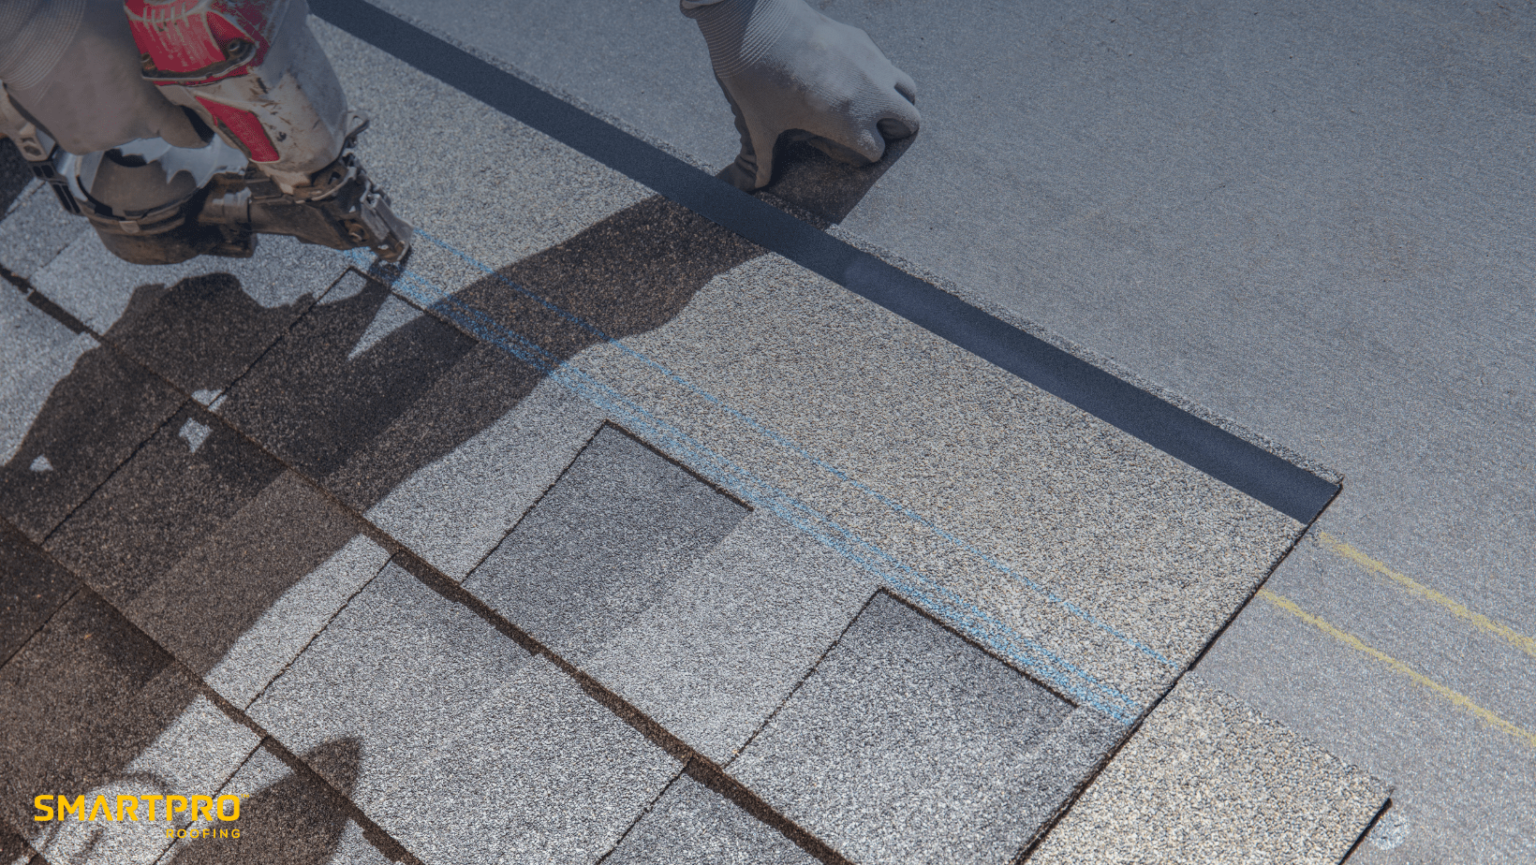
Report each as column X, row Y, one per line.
column 892, row 129
column 900, row 120
column 871, row 145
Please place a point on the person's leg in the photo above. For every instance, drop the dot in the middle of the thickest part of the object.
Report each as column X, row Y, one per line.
column 70, row 84
column 266, row 138
column 72, row 67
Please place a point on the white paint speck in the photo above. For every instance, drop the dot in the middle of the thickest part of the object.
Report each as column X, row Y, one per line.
column 195, row 433
column 41, row 464
column 206, row 397
column 1391, row 830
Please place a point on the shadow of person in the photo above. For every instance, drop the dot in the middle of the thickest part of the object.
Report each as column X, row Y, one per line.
column 199, row 335
column 360, row 423
column 291, row 822
column 202, row 332
column 358, row 394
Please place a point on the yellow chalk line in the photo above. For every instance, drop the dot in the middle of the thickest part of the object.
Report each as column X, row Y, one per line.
column 1456, row 698
column 1478, row 620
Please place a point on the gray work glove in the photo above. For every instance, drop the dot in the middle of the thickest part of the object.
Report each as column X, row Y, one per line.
column 784, row 66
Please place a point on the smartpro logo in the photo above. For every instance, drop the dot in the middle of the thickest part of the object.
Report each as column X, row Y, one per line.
column 130, row 808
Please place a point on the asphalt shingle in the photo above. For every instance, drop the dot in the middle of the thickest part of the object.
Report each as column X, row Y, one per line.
column 693, row 825
column 725, row 644
column 217, row 552
column 316, row 405
column 286, row 818
column 410, row 421
column 287, row 625
column 35, row 230
column 1027, row 519
column 99, row 288
column 470, row 750
column 909, row 744
column 454, row 510
column 91, row 707
column 186, row 481
column 32, row 587
column 13, row 850
column 1209, row 780
column 202, row 332
column 36, row 352
column 86, row 425
column 602, row 546
column 510, row 194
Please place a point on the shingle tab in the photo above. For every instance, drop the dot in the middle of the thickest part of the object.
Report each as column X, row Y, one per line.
column 730, row 639
column 81, row 426
column 197, row 536
column 1210, row 781
column 32, row 587
column 286, row 818
column 468, row 749
column 602, row 546
column 91, row 707
column 909, row 744
column 693, row 825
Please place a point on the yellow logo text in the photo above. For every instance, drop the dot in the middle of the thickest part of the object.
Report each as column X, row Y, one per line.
column 225, row 808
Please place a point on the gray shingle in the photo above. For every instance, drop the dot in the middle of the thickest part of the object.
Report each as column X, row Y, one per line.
column 469, row 750
column 1209, row 780
column 37, row 229
column 453, row 511
column 97, row 287
column 199, row 535
column 13, row 850
column 316, row 406
column 74, row 411
column 693, row 825
column 203, row 331
column 287, row 625
column 32, row 587
column 286, row 818
column 602, row 546
column 36, row 352
column 733, row 635
column 92, row 707
column 909, row 744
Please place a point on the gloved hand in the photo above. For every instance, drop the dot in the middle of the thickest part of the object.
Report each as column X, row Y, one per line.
column 784, row 66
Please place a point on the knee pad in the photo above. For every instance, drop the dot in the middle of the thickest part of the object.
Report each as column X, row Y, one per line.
column 253, row 71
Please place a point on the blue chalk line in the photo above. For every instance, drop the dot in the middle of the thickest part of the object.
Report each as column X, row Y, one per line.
column 928, row 593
